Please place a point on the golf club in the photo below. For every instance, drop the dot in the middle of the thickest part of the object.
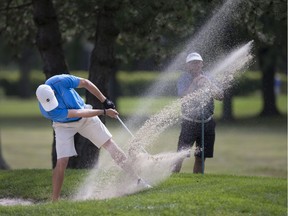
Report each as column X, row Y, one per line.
column 140, row 179
column 125, row 126
column 127, row 129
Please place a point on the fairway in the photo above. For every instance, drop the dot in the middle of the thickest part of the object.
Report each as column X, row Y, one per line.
column 248, row 146
column 239, row 149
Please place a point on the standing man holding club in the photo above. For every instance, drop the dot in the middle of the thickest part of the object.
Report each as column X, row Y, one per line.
column 197, row 125
column 59, row 102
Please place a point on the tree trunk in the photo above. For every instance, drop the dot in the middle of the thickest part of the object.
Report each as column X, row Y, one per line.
column 3, row 164
column 103, row 64
column 227, row 114
column 49, row 43
column 48, row 38
column 25, row 66
column 267, row 64
column 114, row 89
column 101, row 67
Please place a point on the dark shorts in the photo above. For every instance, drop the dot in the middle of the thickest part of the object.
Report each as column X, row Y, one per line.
column 192, row 132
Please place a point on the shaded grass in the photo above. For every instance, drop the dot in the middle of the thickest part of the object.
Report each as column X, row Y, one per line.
column 181, row 194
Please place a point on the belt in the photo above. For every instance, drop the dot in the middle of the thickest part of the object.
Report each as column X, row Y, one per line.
column 197, row 120
column 76, row 120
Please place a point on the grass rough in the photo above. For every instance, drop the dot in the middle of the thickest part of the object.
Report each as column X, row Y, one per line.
column 181, row 194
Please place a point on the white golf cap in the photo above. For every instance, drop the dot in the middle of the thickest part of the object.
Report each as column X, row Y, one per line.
column 193, row 56
column 46, row 97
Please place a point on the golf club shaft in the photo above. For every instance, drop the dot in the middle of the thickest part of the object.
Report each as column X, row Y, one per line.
column 125, row 126
column 129, row 132
column 131, row 135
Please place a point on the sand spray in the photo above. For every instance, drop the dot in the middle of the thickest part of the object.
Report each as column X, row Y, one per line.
column 108, row 180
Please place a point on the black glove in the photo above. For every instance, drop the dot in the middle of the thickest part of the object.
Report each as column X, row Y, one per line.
column 108, row 104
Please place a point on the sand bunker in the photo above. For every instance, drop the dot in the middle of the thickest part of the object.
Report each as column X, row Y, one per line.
column 14, row 201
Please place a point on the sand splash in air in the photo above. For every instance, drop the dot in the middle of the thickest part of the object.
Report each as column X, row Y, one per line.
column 110, row 181
column 223, row 75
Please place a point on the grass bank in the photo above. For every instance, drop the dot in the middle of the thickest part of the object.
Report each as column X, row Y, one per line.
column 181, row 194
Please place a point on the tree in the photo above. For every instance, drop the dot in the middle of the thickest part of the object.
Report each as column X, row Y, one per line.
column 266, row 22
column 3, row 164
column 18, row 31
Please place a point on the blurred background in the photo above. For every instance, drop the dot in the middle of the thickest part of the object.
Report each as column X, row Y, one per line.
column 124, row 47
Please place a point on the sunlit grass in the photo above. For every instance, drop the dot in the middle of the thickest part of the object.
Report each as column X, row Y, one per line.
column 181, row 194
column 244, row 106
column 247, row 106
column 28, row 146
column 240, row 149
column 14, row 107
column 255, row 147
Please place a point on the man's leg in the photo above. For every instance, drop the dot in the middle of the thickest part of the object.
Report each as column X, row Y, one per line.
column 116, row 153
column 208, row 146
column 185, row 142
column 178, row 165
column 198, row 165
column 58, row 177
column 120, row 158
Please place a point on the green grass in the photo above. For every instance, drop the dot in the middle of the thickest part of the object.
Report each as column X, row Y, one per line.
column 249, row 146
column 248, row 106
column 247, row 176
column 241, row 148
column 181, row 194
column 17, row 108
column 244, row 107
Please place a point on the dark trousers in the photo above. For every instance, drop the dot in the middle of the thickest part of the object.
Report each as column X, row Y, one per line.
column 192, row 132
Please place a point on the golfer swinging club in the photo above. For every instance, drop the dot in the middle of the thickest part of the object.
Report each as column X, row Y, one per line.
column 197, row 124
column 59, row 102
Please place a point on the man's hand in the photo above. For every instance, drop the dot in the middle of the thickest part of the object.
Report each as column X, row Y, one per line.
column 108, row 104
column 112, row 113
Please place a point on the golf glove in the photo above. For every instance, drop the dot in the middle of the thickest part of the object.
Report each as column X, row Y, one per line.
column 108, row 104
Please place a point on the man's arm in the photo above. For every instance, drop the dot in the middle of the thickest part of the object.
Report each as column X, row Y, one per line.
column 86, row 113
column 87, row 84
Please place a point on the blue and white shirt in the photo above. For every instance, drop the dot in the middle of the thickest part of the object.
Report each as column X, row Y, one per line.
column 64, row 87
